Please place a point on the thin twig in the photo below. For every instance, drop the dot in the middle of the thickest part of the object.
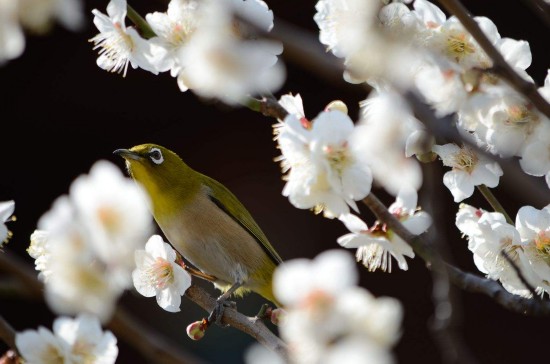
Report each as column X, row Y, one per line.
column 144, row 28
column 500, row 66
column 494, row 202
column 520, row 275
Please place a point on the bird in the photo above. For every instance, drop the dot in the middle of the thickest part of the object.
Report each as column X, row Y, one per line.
column 205, row 223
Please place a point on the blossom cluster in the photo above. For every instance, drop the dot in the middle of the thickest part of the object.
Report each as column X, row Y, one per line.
column 73, row 341
column 330, row 163
column 452, row 72
column 210, row 46
column 527, row 245
column 35, row 16
column 84, row 245
column 328, row 318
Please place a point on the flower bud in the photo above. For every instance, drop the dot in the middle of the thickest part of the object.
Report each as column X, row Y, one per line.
column 197, row 329
column 276, row 316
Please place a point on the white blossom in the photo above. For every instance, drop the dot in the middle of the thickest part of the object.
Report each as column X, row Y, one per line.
column 381, row 137
column 327, row 315
column 469, row 169
column 38, row 15
column 12, row 39
column 78, row 340
column 157, row 274
column 376, row 245
column 120, row 45
column 6, row 210
column 224, row 60
column 86, row 242
column 326, row 172
column 488, row 235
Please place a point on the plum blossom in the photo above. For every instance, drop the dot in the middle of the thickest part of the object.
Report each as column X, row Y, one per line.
column 469, row 169
column 6, row 212
column 384, row 133
column 376, row 246
column 120, row 45
column 73, row 341
column 85, row 243
column 224, row 60
column 326, row 171
column 157, row 274
column 488, row 234
column 328, row 317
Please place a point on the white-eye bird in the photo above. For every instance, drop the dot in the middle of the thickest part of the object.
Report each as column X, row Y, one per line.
column 204, row 222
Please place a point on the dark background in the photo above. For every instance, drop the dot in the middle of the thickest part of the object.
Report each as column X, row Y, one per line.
column 60, row 113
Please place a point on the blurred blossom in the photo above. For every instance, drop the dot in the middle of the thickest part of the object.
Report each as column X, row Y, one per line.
column 73, row 341
column 224, row 59
column 386, row 126
column 85, row 244
column 6, row 212
column 376, row 246
column 12, row 39
column 157, row 274
column 469, row 169
column 329, row 319
column 36, row 16
column 325, row 170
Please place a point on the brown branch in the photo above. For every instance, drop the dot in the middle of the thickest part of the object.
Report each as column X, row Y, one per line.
column 250, row 325
column 500, row 66
column 142, row 338
column 461, row 279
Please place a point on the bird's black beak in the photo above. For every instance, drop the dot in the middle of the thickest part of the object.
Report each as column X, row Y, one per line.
column 128, row 154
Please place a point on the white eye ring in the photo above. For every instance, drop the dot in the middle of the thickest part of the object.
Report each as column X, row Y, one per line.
column 156, row 156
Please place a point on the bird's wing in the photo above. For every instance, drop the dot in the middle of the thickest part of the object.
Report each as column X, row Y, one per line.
column 228, row 203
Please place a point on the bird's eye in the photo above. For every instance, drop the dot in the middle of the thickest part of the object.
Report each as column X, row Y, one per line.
column 156, row 156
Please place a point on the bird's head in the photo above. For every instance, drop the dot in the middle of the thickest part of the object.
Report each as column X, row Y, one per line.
column 157, row 168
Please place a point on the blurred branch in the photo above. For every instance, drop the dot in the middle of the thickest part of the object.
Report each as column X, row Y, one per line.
column 541, row 9
column 7, row 333
column 446, row 317
column 500, row 66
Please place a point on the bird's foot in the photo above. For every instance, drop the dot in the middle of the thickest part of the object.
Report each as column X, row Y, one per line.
column 218, row 311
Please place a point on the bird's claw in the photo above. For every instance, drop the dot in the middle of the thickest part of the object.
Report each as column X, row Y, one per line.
column 218, row 311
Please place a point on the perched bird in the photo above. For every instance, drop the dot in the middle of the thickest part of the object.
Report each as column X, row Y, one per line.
column 205, row 223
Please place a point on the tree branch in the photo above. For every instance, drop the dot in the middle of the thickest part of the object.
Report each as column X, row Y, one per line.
column 500, row 66
column 250, row 325
column 464, row 280
column 541, row 9
column 142, row 338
